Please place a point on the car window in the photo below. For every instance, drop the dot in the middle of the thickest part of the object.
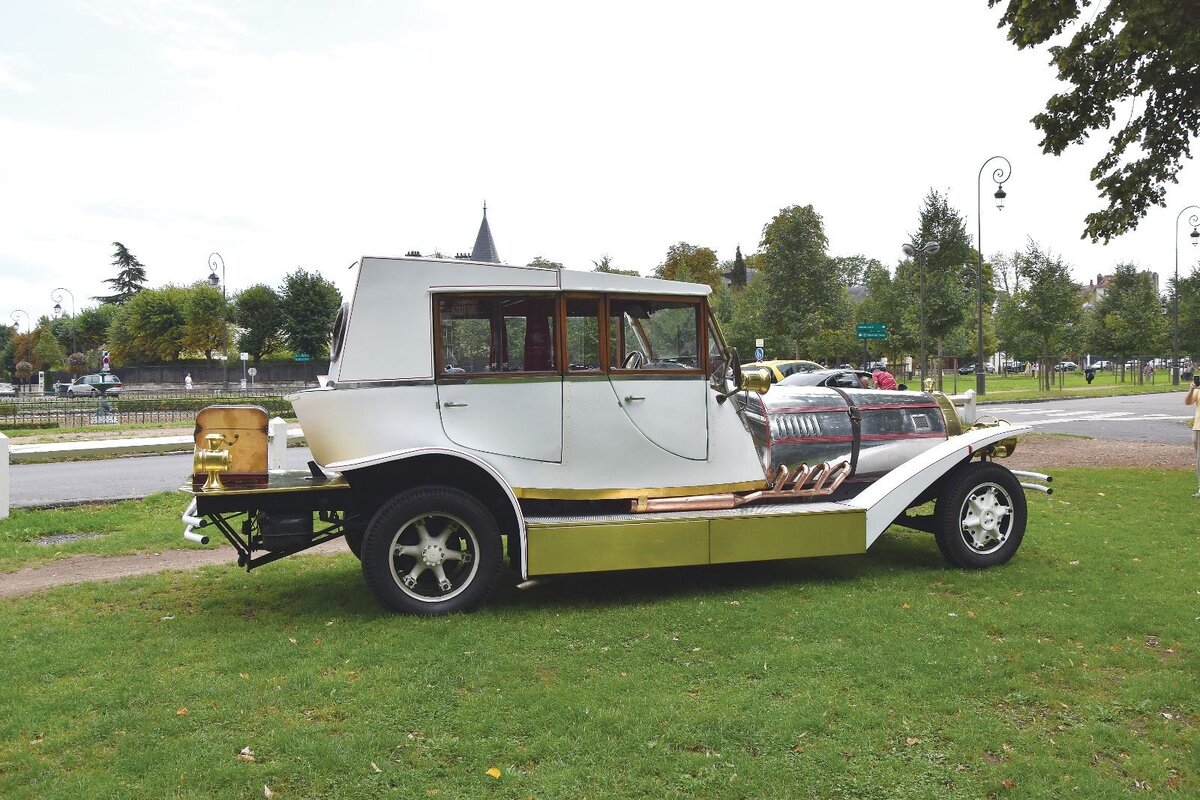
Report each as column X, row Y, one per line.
column 644, row 333
column 583, row 334
column 496, row 334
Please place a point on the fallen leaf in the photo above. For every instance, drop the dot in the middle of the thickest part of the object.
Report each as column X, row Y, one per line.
column 290, row 639
column 493, row 772
column 246, row 754
column 182, row 712
column 267, row 791
column 375, row 767
column 167, row 617
column 911, row 740
column 971, row 614
column 1074, row 563
column 245, row 676
column 906, row 605
column 1008, row 783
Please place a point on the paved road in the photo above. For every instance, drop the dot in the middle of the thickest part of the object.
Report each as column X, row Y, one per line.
column 114, row 479
column 1145, row 417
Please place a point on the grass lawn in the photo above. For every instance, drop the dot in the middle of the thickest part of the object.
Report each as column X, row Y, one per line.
column 1006, row 388
column 1069, row 672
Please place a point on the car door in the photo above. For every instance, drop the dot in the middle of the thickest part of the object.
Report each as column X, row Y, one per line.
column 656, row 372
column 498, row 380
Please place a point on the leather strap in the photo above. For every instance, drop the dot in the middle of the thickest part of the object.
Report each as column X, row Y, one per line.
column 855, row 428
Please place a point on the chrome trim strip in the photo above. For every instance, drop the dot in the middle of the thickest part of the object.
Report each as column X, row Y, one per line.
column 381, row 384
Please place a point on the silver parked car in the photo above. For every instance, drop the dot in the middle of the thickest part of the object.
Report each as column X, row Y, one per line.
column 7, row 390
column 86, row 385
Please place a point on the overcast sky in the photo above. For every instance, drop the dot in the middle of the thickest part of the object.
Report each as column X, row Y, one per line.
column 284, row 134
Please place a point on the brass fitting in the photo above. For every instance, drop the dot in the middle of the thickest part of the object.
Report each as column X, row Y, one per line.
column 214, row 460
column 757, row 380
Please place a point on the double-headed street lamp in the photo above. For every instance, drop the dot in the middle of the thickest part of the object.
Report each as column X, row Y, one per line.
column 929, row 248
column 1194, row 221
column 214, row 260
column 56, row 296
column 999, row 175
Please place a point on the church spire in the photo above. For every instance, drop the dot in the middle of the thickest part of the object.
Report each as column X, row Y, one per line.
column 485, row 246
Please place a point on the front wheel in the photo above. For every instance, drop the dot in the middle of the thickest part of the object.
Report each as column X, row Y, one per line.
column 980, row 518
column 432, row 550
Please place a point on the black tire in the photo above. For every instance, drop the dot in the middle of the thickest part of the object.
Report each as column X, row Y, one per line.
column 432, row 550
column 980, row 516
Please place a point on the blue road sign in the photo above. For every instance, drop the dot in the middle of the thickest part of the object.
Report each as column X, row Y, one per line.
column 758, row 354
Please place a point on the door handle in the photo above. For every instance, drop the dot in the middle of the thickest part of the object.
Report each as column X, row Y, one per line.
column 630, row 398
column 455, row 405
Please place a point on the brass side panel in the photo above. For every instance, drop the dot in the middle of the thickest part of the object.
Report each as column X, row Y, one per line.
column 249, row 425
column 634, row 545
column 635, row 493
column 734, row 539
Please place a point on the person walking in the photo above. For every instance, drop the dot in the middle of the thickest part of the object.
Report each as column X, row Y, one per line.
column 187, row 382
column 1191, row 399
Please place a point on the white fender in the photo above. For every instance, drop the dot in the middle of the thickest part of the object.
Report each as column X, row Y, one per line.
column 403, row 455
column 889, row 496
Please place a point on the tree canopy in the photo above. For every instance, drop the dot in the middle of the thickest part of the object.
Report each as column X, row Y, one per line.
column 1139, row 53
column 258, row 313
column 130, row 278
column 687, row 262
column 309, row 304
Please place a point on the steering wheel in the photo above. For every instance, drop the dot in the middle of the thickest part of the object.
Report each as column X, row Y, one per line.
column 634, row 360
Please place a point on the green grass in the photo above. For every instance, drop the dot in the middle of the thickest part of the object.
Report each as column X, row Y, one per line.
column 149, row 525
column 1005, row 388
column 1069, row 672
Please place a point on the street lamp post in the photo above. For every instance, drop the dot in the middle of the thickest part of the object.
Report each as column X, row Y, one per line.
column 1194, row 221
column 56, row 296
column 914, row 252
column 213, row 261
column 999, row 175
column 28, row 331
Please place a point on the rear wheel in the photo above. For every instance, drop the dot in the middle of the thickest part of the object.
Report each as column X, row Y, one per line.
column 432, row 550
column 980, row 517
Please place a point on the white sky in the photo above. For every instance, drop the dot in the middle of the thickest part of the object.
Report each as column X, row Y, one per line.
column 284, row 134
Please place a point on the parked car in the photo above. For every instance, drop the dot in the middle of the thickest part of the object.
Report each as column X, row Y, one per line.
column 969, row 369
column 841, row 378
column 1014, row 366
column 1066, row 366
column 7, row 390
column 86, row 385
column 781, row 369
column 1102, row 365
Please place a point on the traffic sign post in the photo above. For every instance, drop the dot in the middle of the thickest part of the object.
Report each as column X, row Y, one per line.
column 871, row 330
column 758, row 354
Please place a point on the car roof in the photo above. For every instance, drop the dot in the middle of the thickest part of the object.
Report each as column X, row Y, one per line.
column 817, row 376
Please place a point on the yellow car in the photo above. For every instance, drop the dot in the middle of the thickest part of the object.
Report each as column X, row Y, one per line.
column 781, row 369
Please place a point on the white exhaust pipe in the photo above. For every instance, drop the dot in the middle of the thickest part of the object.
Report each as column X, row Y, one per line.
column 1038, row 487
column 1037, row 476
column 190, row 519
column 191, row 536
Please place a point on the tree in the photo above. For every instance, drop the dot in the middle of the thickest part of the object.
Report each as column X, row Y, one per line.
column 130, row 279
column 687, row 262
column 737, row 273
column 91, row 326
column 48, row 353
column 1046, row 309
column 308, row 305
column 805, row 295
column 1189, row 315
column 538, row 261
column 205, row 312
column 258, row 313
column 1141, row 51
column 948, row 291
column 882, row 304
column 1128, row 320
column 150, row 327
column 605, row 265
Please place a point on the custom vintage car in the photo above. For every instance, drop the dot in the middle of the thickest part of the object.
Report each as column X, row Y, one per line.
column 566, row 422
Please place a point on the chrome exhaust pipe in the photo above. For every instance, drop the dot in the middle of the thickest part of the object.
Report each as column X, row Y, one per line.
column 1038, row 487
column 192, row 536
column 1037, row 476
